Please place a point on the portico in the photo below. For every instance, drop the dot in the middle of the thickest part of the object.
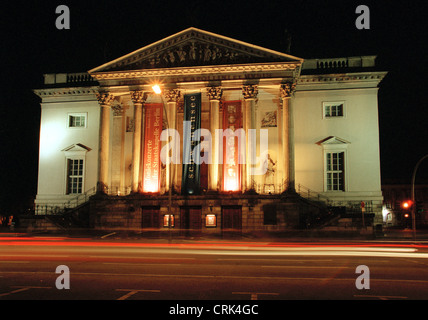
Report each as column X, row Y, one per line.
column 217, row 84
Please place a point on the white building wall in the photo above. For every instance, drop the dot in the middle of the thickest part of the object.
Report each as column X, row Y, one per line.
column 55, row 136
column 358, row 126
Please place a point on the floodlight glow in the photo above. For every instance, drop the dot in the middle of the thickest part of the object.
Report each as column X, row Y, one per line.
column 156, row 88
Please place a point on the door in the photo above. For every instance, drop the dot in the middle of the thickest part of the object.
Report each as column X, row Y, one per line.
column 190, row 221
column 231, row 220
column 150, row 218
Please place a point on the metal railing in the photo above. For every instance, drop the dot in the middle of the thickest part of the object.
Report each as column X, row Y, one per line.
column 309, row 194
column 352, row 206
column 118, row 191
column 60, row 208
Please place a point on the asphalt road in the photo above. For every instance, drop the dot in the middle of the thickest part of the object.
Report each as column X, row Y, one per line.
column 137, row 270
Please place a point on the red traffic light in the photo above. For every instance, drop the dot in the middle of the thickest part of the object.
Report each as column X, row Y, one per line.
column 407, row 204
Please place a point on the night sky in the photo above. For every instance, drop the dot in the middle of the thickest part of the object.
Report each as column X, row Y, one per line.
column 101, row 31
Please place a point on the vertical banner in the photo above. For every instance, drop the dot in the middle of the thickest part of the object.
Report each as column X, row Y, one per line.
column 152, row 146
column 232, row 120
column 191, row 137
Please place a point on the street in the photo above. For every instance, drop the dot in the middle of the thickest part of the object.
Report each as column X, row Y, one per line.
column 101, row 269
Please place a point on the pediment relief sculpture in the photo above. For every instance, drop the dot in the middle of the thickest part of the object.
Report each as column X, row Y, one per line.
column 194, row 47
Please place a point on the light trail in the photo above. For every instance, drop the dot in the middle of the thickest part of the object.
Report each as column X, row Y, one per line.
column 237, row 248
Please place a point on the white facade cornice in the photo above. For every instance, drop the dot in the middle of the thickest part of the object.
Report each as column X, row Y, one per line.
column 342, row 77
column 205, row 70
column 333, row 81
column 67, row 91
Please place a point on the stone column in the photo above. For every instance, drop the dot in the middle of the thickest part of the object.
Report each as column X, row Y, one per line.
column 116, row 181
column 286, row 91
column 171, row 97
column 214, row 95
column 250, row 95
column 138, row 98
column 104, row 99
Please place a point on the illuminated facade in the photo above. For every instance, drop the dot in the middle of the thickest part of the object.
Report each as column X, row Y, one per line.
column 233, row 133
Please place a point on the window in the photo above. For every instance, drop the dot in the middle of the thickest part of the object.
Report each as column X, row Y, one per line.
column 335, row 171
column 334, row 109
column 335, row 152
column 74, row 176
column 77, row 120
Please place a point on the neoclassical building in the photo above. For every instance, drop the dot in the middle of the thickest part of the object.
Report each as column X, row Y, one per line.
column 205, row 133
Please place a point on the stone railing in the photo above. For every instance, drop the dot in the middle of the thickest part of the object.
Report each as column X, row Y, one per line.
column 336, row 63
column 69, row 78
column 332, row 63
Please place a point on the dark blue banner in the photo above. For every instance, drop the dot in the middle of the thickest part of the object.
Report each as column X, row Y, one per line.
column 191, row 137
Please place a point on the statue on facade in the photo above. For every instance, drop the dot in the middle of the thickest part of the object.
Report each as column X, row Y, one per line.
column 269, row 181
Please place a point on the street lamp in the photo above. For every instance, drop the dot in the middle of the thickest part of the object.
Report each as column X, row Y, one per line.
column 413, row 196
column 156, row 88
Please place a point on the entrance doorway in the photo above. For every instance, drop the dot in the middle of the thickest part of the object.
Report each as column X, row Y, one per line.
column 190, row 221
column 150, row 220
column 231, row 220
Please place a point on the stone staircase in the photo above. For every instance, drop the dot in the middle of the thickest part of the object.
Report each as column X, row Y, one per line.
column 331, row 215
column 68, row 220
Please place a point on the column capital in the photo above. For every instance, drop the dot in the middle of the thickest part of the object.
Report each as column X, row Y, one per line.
column 104, row 98
column 250, row 91
column 172, row 95
column 138, row 96
column 214, row 93
column 287, row 89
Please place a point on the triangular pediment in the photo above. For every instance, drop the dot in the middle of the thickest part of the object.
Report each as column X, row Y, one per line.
column 194, row 47
column 332, row 140
column 76, row 148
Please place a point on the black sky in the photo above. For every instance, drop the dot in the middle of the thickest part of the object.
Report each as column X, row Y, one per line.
column 104, row 30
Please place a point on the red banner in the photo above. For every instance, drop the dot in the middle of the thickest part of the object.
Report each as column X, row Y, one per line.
column 232, row 119
column 152, row 147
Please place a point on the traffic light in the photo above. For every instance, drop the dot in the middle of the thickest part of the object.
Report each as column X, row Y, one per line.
column 407, row 205
column 406, row 213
